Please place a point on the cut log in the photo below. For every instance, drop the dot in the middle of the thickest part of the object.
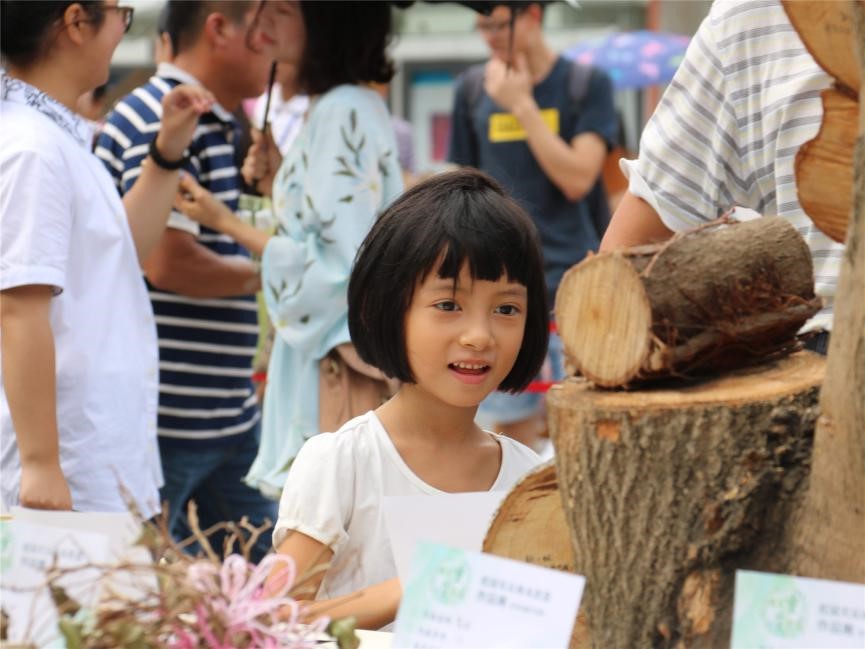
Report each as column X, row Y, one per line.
column 668, row 491
column 712, row 298
column 824, row 166
column 530, row 526
column 828, row 31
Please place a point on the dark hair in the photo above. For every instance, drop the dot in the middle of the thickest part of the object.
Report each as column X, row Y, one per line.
column 25, row 26
column 164, row 25
column 183, row 20
column 345, row 43
column 453, row 218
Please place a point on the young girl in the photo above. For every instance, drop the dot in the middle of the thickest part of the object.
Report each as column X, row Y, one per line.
column 447, row 295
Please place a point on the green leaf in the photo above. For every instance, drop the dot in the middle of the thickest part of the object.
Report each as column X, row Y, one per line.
column 71, row 632
column 62, row 601
column 348, row 198
column 343, row 632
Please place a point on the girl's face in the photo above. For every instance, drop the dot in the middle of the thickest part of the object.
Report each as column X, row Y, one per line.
column 461, row 344
column 282, row 30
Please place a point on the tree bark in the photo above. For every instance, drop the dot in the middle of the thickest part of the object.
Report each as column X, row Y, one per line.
column 828, row 536
column 712, row 298
column 669, row 491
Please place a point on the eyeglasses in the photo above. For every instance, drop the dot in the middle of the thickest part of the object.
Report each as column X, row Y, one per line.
column 126, row 14
column 493, row 28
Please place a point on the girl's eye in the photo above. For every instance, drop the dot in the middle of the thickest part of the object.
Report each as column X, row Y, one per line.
column 447, row 305
column 508, row 309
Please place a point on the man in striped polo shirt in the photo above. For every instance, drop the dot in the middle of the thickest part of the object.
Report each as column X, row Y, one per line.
column 202, row 284
column 726, row 133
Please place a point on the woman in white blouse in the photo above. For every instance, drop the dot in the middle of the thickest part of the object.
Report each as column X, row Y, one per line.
column 79, row 355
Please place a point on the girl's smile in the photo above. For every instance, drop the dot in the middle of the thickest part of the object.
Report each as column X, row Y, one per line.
column 463, row 337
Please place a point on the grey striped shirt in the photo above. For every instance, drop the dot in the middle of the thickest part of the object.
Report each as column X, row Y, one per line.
column 727, row 130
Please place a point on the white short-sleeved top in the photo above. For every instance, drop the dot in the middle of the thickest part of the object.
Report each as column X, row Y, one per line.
column 726, row 133
column 62, row 224
column 334, row 494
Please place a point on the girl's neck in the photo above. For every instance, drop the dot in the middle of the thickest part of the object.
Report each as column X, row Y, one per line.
column 412, row 415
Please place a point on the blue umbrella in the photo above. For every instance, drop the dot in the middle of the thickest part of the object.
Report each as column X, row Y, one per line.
column 633, row 59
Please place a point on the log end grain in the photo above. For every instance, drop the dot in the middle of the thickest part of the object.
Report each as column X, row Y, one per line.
column 604, row 319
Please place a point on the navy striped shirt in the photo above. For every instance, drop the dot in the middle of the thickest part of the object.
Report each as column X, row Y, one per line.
column 206, row 346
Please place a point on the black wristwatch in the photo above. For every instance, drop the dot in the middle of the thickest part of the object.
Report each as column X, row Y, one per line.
column 161, row 162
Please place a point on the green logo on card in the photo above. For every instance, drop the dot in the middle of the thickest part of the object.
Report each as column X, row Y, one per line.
column 451, row 581
column 785, row 611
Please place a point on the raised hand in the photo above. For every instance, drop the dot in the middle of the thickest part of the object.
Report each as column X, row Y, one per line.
column 262, row 162
column 181, row 108
column 200, row 205
column 508, row 87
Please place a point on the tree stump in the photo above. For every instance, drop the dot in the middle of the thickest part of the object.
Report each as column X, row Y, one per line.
column 711, row 298
column 530, row 526
column 668, row 491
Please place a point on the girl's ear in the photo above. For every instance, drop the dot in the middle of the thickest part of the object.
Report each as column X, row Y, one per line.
column 74, row 21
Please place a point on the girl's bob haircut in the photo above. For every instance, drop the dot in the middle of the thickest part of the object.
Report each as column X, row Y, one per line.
column 454, row 218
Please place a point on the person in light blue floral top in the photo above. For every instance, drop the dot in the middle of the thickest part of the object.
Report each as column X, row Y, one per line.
column 341, row 172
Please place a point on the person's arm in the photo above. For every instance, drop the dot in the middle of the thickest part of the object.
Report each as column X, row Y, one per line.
column 178, row 263
column 634, row 223
column 372, row 607
column 202, row 206
column 572, row 166
column 148, row 201
column 30, row 386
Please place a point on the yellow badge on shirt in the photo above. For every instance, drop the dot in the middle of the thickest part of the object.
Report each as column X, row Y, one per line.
column 504, row 127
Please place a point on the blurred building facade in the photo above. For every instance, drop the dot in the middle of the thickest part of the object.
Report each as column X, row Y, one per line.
column 433, row 42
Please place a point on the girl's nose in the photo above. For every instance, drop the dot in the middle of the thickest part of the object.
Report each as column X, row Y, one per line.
column 477, row 334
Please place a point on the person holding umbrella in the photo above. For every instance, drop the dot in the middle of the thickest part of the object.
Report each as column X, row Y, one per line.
column 542, row 126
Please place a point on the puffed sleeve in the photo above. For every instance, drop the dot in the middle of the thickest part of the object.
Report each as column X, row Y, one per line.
column 318, row 494
column 35, row 218
column 343, row 168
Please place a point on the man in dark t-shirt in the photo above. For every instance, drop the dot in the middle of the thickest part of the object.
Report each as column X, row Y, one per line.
column 523, row 125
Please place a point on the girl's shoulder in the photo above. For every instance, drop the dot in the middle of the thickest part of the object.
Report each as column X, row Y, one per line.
column 354, row 438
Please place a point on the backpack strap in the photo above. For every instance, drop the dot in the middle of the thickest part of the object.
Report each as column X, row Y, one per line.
column 579, row 76
column 473, row 83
